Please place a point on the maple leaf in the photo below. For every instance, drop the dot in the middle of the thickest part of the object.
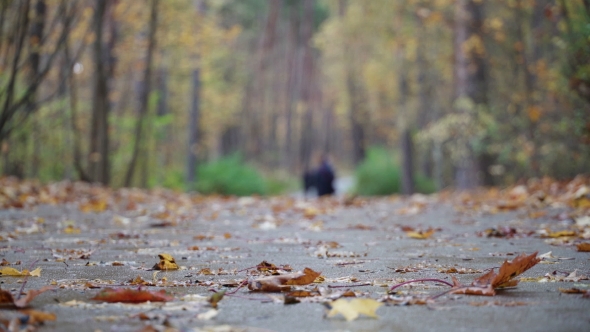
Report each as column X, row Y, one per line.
column 167, row 262
column 6, row 298
column 487, row 283
column 353, row 308
column 283, row 282
column 125, row 295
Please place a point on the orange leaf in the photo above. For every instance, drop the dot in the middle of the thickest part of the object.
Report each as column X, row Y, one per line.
column 283, row 282
column 509, row 270
column 125, row 295
column 583, row 247
column 308, row 277
column 38, row 317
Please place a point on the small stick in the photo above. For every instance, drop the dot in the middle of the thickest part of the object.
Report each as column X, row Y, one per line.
column 242, row 284
column 346, row 286
column 20, row 291
column 421, row 280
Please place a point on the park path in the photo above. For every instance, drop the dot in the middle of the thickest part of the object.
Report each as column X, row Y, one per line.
column 95, row 238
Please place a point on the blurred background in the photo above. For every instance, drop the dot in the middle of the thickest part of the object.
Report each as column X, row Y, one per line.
column 242, row 96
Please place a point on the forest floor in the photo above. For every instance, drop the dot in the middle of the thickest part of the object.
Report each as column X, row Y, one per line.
column 83, row 240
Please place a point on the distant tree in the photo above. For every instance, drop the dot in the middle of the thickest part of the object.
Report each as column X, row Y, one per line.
column 104, row 63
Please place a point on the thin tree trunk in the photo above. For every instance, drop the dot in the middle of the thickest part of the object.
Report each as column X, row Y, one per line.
column 193, row 131
column 145, row 92
column 470, row 81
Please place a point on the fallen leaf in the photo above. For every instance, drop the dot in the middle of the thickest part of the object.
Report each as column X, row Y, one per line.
column 563, row 233
column 36, row 272
column 421, row 235
column 215, row 298
column 308, row 277
column 583, row 247
column 38, row 317
column 283, row 282
column 12, row 272
column 353, row 308
column 487, row 283
column 517, row 266
column 573, row 291
column 166, row 262
column 6, row 298
column 125, row 295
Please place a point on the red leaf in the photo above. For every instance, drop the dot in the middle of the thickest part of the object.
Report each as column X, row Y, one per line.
column 125, row 295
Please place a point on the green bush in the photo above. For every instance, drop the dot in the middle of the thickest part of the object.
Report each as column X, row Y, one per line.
column 277, row 184
column 424, row 184
column 229, row 176
column 380, row 175
column 377, row 174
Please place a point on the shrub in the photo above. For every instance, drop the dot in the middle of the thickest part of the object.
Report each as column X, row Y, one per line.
column 229, row 176
column 379, row 175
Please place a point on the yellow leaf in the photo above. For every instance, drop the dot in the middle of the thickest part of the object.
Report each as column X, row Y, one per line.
column 421, row 235
column 353, row 308
column 167, row 262
column 9, row 271
column 36, row 272
column 71, row 230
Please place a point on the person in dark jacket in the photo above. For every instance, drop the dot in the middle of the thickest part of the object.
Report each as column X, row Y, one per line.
column 324, row 177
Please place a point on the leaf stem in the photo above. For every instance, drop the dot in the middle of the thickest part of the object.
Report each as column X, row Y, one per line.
column 421, row 280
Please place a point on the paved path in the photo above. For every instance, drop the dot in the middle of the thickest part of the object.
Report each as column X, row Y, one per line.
column 217, row 240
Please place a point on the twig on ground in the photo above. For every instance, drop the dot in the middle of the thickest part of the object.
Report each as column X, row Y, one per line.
column 420, row 280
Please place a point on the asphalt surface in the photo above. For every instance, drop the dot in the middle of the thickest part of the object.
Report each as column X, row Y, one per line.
column 361, row 247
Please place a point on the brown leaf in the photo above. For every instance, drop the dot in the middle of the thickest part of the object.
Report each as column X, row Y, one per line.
column 509, row 270
column 125, row 295
column 487, row 283
column 38, row 317
column 283, row 282
column 6, row 298
column 308, row 277
column 583, row 247
column 573, row 291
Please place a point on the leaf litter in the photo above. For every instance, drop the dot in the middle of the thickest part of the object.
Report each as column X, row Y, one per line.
column 174, row 210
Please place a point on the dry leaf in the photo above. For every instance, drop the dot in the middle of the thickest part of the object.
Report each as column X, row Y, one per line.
column 486, row 284
column 583, row 247
column 166, row 262
column 215, row 298
column 573, row 291
column 421, row 235
column 38, row 317
column 6, row 298
column 283, row 282
column 125, row 295
column 509, row 270
column 12, row 272
column 353, row 308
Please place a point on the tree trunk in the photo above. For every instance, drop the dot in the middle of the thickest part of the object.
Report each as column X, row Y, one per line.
column 98, row 161
column 193, row 131
column 407, row 164
column 470, row 80
column 293, row 85
column 307, row 80
column 144, row 95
